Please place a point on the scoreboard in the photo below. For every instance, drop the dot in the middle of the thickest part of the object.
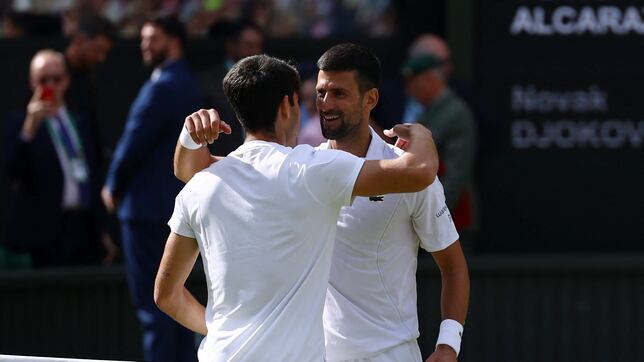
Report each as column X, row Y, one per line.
column 565, row 166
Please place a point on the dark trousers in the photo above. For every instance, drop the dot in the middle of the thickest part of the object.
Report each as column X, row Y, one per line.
column 164, row 340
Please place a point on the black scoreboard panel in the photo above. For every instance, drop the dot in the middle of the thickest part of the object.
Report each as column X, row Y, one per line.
column 565, row 166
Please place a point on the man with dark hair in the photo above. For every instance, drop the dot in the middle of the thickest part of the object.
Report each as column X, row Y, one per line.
column 370, row 309
column 89, row 46
column 264, row 218
column 383, row 234
column 140, row 183
column 241, row 39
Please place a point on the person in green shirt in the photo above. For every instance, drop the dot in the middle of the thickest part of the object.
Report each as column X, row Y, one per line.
column 455, row 133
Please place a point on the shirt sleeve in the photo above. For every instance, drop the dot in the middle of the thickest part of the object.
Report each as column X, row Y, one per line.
column 432, row 220
column 330, row 175
column 179, row 221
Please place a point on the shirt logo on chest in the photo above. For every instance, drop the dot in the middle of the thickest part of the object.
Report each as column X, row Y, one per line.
column 376, row 198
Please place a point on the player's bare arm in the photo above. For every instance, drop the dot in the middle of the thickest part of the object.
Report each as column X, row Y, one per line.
column 411, row 172
column 204, row 127
column 455, row 293
column 170, row 294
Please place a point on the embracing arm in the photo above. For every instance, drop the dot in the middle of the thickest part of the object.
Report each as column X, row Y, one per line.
column 170, row 294
column 201, row 127
column 411, row 172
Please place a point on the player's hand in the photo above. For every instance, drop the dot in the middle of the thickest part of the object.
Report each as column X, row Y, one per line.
column 409, row 134
column 443, row 353
column 205, row 126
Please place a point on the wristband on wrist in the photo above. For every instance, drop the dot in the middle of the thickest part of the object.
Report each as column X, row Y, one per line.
column 186, row 141
column 450, row 334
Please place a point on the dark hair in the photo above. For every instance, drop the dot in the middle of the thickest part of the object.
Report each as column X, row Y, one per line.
column 255, row 86
column 93, row 25
column 171, row 26
column 353, row 57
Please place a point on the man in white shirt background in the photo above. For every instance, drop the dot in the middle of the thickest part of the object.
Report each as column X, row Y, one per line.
column 264, row 219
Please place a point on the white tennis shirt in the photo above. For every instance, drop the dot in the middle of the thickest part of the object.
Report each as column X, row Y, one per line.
column 265, row 220
column 371, row 299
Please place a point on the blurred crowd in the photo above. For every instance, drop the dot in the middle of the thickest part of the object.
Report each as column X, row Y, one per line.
column 278, row 18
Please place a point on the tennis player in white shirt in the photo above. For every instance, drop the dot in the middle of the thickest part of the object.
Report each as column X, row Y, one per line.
column 264, row 220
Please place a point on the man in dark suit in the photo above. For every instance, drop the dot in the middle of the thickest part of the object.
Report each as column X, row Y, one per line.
column 141, row 184
column 50, row 164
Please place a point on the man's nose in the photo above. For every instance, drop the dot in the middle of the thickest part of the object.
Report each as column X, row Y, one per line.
column 323, row 102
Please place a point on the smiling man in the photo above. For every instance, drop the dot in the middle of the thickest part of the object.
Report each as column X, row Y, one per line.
column 370, row 310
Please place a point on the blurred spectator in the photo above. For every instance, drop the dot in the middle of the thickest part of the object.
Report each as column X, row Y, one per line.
column 50, row 166
column 322, row 19
column 16, row 24
column 311, row 132
column 455, row 134
column 141, row 184
column 435, row 45
column 241, row 39
column 90, row 43
column 42, row 6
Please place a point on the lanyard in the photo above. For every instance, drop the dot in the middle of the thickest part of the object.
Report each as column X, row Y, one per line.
column 66, row 135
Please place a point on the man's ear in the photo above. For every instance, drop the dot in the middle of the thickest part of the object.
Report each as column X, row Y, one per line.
column 284, row 110
column 371, row 98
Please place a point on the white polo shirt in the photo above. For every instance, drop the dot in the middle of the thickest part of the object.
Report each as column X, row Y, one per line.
column 265, row 221
column 371, row 299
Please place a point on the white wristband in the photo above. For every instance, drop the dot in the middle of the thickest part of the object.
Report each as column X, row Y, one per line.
column 186, row 141
column 450, row 334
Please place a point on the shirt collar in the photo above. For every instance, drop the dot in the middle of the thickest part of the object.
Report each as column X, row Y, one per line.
column 376, row 146
column 375, row 150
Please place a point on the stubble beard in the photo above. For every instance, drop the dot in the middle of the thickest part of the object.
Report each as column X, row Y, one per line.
column 156, row 59
column 341, row 131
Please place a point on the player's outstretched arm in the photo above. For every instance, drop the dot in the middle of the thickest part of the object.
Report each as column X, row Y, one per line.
column 170, row 294
column 190, row 155
column 411, row 172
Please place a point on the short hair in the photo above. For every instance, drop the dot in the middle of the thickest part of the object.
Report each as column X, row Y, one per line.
column 255, row 86
column 93, row 25
column 353, row 57
column 171, row 26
